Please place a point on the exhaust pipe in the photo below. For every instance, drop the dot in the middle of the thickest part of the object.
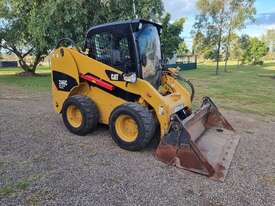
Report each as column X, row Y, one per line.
column 204, row 142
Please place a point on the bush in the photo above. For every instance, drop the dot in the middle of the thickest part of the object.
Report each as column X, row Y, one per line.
column 259, row 62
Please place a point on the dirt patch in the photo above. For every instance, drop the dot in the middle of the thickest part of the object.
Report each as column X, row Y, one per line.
column 41, row 163
column 29, row 74
column 26, row 74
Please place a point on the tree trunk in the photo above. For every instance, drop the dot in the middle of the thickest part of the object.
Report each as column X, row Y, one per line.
column 227, row 50
column 225, row 65
column 23, row 64
column 218, row 51
column 219, row 40
column 28, row 69
column 37, row 60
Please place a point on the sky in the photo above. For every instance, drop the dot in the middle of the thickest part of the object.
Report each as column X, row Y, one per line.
column 265, row 17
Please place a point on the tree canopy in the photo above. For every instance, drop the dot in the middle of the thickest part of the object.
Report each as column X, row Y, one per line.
column 256, row 50
column 217, row 20
column 15, row 36
column 33, row 27
column 182, row 49
column 170, row 37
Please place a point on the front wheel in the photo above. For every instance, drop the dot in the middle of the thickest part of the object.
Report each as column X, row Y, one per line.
column 132, row 126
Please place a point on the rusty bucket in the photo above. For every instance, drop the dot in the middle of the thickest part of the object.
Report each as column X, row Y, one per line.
column 204, row 142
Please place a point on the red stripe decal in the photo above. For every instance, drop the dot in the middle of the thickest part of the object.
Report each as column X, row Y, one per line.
column 97, row 81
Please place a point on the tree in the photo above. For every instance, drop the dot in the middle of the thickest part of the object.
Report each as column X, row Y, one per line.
column 235, row 51
column 239, row 12
column 269, row 39
column 33, row 27
column 1, row 54
column 123, row 9
column 244, row 45
column 211, row 21
column 219, row 17
column 256, row 50
column 182, row 49
column 14, row 35
column 149, row 9
column 204, row 46
column 64, row 18
column 198, row 42
column 170, row 37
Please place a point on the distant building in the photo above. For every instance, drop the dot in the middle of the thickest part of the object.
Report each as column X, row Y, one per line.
column 172, row 60
column 184, row 62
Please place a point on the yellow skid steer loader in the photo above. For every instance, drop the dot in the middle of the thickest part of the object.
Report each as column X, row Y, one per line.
column 118, row 79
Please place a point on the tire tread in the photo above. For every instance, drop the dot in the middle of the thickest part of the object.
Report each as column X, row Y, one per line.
column 90, row 111
column 148, row 121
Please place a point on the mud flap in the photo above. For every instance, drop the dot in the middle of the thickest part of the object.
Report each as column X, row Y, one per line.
column 204, row 142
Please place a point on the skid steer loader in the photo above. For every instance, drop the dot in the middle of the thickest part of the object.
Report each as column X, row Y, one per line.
column 118, row 79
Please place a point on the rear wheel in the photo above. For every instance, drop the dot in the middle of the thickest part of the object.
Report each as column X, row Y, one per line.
column 80, row 114
column 132, row 126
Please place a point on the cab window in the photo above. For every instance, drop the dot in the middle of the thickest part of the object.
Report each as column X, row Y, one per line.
column 110, row 49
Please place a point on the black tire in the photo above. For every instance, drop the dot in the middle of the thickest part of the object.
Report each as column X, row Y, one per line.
column 89, row 113
column 145, row 121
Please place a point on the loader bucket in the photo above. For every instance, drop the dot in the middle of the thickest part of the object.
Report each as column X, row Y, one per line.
column 204, row 142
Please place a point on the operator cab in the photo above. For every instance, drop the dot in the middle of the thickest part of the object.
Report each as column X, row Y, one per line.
column 131, row 46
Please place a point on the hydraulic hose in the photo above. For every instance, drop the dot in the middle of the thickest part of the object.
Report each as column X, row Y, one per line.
column 180, row 77
column 72, row 42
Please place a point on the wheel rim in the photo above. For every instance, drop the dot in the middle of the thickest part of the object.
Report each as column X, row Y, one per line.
column 126, row 128
column 74, row 116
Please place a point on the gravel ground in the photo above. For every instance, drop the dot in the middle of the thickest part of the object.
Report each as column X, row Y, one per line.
column 41, row 163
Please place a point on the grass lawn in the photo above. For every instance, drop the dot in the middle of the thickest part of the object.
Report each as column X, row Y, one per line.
column 247, row 88
column 41, row 82
column 15, row 70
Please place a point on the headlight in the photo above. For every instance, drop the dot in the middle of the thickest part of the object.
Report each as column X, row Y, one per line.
column 130, row 77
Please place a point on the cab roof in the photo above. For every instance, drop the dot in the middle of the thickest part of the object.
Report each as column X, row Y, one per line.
column 122, row 26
